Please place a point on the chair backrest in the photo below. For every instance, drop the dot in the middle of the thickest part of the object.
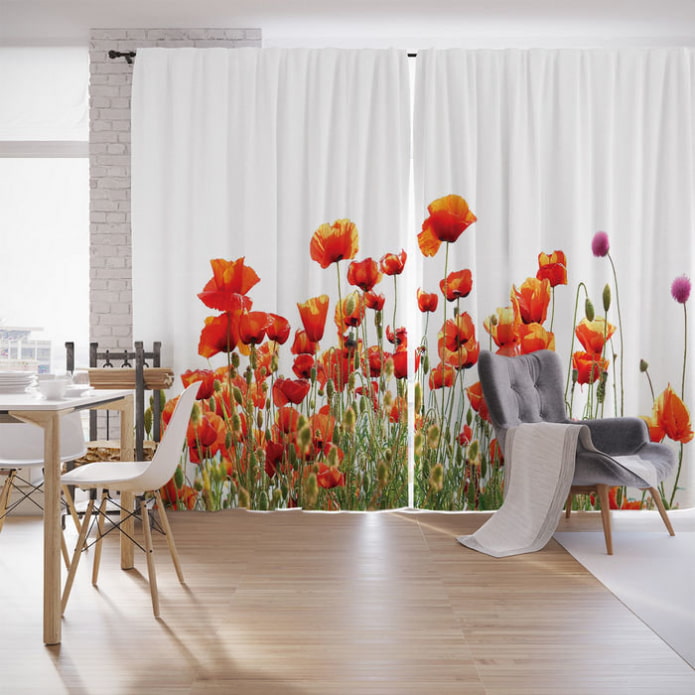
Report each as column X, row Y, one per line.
column 525, row 388
column 21, row 443
column 166, row 457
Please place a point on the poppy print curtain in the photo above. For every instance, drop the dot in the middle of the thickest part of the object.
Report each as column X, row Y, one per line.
column 579, row 167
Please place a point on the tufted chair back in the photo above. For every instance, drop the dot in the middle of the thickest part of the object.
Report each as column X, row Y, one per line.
column 527, row 388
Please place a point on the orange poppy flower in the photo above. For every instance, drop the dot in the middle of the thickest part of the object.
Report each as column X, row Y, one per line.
column 533, row 337
column 465, row 436
column 252, row 325
column 458, row 331
column 375, row 358
column 278, row 328
column 448, row 218
column 220, row 334
column 322, row 426
column 329, row 476
column 290, row 391
column 670, row 418
column 332, row 243
column 427, row 301
column 477, row 400
column 267, row 356
column 463, row 357
column 287, row 419
column 335, row 365
column 374, row 301
column 303, row 345
column 503, row 327
column 594, row 334
column 400, row 363
column 206, row 377
column 350, row 311
column 441, row 376
column 313, row 313
column 230, row 281
column 393, row 263
column 206, row 436
column 553, row 268
column 533, row 298
column 457, row 284
column 184, row 497
column 589, row 366
column 364, row 274
column 399, row 337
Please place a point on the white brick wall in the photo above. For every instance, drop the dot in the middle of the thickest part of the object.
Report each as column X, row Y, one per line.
column 111, row 313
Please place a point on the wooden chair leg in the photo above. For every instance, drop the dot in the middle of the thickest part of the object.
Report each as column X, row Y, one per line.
column 70, row 504
column 5, row 496
column 568, row 505
column 605, row 516
column 149, row 552
column 64, row 551
column 101, row 515
column 662, row 510
column 169, row 536
column 76, row 556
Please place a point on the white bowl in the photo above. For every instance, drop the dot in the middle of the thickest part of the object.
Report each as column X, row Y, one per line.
column 53, row 389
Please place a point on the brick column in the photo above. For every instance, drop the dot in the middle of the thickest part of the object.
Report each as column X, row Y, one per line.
column 111, row 315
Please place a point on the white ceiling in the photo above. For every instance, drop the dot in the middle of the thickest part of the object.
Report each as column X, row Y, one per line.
column 367, row 22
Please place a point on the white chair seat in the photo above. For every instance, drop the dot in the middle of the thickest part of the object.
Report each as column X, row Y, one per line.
column 121, row 475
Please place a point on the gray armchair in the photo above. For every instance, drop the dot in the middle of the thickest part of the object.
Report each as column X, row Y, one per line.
column 529, row 388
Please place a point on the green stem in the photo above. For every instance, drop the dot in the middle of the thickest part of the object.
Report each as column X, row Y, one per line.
column 620, row 328
column 574, row 324
column 685, row 351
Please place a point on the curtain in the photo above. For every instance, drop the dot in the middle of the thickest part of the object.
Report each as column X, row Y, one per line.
column 549, row 147
column 246, row 152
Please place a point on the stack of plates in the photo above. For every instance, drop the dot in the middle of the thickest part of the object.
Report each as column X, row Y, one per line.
column 16, row 382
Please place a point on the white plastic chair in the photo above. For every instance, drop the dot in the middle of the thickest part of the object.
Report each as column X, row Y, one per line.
column 143, row 478
column 21, row 447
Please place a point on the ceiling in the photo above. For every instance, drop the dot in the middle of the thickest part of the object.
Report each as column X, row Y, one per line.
column 367, row 22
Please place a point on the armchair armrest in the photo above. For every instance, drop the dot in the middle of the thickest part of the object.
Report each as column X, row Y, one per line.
column 617, row 436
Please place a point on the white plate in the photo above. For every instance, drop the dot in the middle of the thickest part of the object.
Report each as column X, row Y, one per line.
column 75, row 390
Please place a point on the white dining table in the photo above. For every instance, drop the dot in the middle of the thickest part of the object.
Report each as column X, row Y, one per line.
column 31, row 407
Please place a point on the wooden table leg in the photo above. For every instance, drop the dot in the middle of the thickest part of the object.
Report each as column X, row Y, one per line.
column 127, row 498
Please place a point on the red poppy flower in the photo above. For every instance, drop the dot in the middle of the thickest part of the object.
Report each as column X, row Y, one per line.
column 533, row 298
column 463, row 357
column 364, row 274
column 533, row 337
column 399, row 338
column 441, row 376
column 457, row 284
column 206, row 377
column 374, row 301
column 335, row 365
column 313, row 313
column 267, row 356
column 332, row 243
column 290, row 391
column 465, row 436
column 206, row 436
column 449, row 217
column 303, row 365
column 303, row 345
column 184, row 497
column 588, row 366
column 252, row 325
column 278, row 328
column 230, row 281
column 458, row 331
column 329, row 476
column 220, row 334
column 322, row 426
column 477, row 400
column 376, row 358
column 553, row 268
column 400, row 363
column 274, row 452
column 399, row 410
column 427, row 301
column 670, row 418
column 392, row 263
column 594, row 334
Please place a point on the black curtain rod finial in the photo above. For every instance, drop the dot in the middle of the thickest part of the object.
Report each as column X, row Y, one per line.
column 128, row 55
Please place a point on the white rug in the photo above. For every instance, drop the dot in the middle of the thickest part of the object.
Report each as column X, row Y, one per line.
column 652, row 573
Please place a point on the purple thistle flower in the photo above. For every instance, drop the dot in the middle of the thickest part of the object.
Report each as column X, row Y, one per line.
column 600, row 244
column 680, row 289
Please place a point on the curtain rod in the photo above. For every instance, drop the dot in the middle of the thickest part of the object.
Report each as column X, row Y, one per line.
column 129, row 55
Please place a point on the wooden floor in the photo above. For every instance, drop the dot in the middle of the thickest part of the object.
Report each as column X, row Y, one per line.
column 295, row 603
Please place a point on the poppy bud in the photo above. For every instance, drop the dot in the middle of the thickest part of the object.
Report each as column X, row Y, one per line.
column 235, row 360
column 263, row 501
column 418, row 397
column 350, row 304
column 238, row 397
column 147, row 421
column 437, row 477
column 589, row 310
column 492, row 319
column 606, row 297
column 248, row 374
column 349, row 419
column 277, row 497
column 259, row 419
column 418, row 441
column 313, row 374
column 178, row 477
column 643, row 365
column 575, row 376
column 433, row 436
column 425, row 364
column 244, row 498
column 382, row 473
column 330, row 389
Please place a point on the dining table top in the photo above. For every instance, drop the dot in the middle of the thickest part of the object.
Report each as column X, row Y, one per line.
column 33, row 400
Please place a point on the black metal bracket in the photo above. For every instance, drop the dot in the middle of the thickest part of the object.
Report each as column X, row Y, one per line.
column 128, row 55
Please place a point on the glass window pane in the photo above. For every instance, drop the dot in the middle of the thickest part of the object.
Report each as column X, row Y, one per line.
column 44, row 93
column 44, row 257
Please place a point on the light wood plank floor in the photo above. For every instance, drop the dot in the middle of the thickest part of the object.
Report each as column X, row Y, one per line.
column 302, row 603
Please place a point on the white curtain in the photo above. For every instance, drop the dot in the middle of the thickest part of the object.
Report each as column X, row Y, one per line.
column 550, row 146
column 245, row 152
